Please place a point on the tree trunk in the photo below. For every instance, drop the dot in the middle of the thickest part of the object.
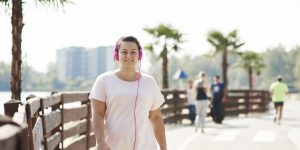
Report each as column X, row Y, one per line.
column 224, row 68
column 165, row 72
column 17, row 26
column 250, row 78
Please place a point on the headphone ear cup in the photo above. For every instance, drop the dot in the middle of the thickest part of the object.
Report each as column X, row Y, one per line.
column 116, row 56
column 140, row 55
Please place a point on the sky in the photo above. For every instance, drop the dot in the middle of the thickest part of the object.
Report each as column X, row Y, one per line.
column 262, row 24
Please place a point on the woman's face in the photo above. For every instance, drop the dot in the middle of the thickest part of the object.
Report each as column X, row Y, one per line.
column 128, row 54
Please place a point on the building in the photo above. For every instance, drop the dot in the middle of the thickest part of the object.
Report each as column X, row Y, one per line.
column 74, row 62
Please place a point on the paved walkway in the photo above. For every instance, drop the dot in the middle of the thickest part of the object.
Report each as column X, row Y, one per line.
column 257, row 132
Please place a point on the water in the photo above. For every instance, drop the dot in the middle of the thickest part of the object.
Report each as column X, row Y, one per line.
column 5, row 96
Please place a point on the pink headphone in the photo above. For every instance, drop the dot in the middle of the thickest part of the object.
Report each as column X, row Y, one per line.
column 116, row 55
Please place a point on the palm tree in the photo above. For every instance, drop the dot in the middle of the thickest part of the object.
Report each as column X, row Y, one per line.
column 251, row 61
column 225, row 45
column 165, row 38
column 17, row 26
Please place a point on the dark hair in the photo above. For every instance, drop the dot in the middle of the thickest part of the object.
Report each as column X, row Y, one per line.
column 128, row 39
column 217, row 77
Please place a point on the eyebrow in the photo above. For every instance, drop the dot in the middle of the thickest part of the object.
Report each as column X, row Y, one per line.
column 129, row 50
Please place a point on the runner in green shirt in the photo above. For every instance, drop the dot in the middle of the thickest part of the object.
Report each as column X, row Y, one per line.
column 278, row 91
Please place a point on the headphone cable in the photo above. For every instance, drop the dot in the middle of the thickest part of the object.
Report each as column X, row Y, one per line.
column 137, row 94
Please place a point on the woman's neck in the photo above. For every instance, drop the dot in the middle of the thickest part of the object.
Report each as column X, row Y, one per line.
column 127, row 75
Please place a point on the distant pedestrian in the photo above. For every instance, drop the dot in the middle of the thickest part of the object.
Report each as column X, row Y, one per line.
column 201, row 89
column 278, row 91
column 218, row 94
column 191, row 102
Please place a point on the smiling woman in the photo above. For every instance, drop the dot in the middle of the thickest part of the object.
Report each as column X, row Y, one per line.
column 128, row 98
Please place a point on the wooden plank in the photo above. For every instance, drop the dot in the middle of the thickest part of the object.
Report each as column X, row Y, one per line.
column 9, row 140
column 77, row 144
column 54, row 141
column 34, row 105
column 75, row 128
column 51, row 100
column 72, row 114
column 183, row 116
column 52, row 120
column 37, row 134
column 255, row 97
column 20, row 116
column 169, row 102
column 24, row 142
column 75, row 97
column 183, row 106
column 169, row 109
column 170, row 119
column 230, row 104
column 236, row 97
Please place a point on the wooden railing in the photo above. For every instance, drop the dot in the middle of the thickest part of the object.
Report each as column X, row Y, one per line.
column 59, row 121
column 62, row 120
column 245, row 102
column 175, row 103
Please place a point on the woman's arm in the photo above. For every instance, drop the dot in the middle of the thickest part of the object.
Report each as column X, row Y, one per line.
column 98, row 112
column 155, row 117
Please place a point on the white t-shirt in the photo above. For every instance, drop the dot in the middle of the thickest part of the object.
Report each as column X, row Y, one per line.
column 120, row 96
column 190, row 97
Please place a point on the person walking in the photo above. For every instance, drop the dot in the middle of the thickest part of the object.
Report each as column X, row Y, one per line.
column 278, row 90
column 191, row 102
column 126, row 104
column 201, row 90
column 218, row 95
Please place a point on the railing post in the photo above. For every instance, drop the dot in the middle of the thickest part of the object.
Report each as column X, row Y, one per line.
column 20, row 136
column 62, row 119
column 266, row 100
column 247, row 101
column 175, row 99
column 88, row 120
column 11, row 107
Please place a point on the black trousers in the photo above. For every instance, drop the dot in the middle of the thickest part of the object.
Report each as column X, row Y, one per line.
column 218, row 111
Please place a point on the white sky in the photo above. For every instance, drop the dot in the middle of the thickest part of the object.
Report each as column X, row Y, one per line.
column 90, row 23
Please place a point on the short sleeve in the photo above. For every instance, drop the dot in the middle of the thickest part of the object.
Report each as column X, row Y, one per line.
column 158, row 97
column 98, row 91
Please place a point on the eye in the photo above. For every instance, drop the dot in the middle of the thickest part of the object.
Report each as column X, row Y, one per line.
column 124, row 52
column 133, row 52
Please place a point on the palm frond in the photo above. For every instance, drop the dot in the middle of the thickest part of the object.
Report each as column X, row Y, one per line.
column 149, row 47
column 55, row 3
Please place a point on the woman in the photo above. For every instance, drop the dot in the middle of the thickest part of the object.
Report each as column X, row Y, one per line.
column 201, row 90
column 126, row 104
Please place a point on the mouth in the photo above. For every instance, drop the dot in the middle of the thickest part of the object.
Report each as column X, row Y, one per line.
column 128, row 61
